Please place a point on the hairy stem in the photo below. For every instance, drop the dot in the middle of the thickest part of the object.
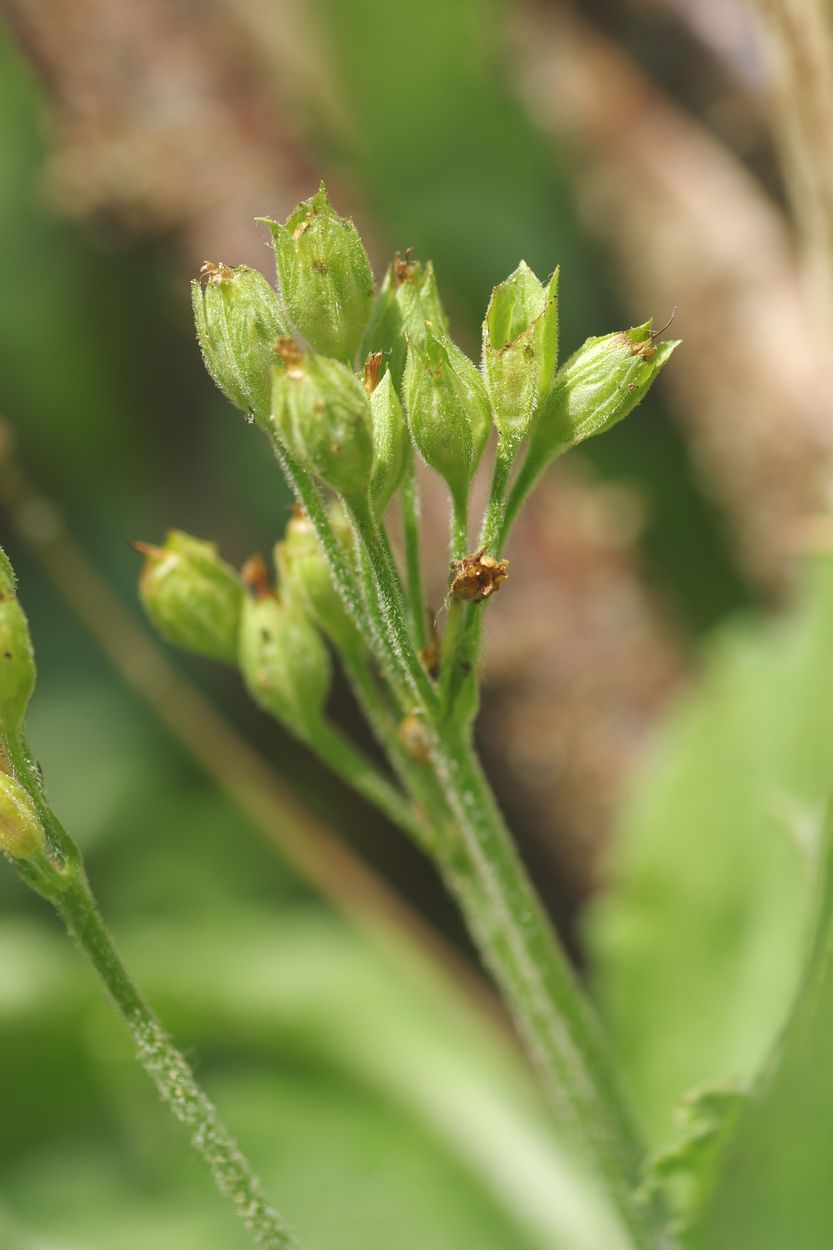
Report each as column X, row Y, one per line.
column 413, row 565
column 450, row 654
column 304, row 489
column 354, row 768
column 384, row 576
column 459, row 524
column 531, row 470
column 491, row 532
column 168, row 1069
column 551, row 1012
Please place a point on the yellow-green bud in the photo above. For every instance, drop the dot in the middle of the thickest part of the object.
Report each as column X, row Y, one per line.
column 448, row 410
column 239, row 320
column 191, row 596
column 598, row 386
column 325, row 278
column 21, row 833
column 17, row 658
column 321, row 413
column 306, row 581
column 520, row 348
column 391, row 442
column 408, row 300
column 283, row 659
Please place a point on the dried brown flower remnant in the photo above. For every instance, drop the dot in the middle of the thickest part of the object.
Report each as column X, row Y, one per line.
column 477, row 576
column 372, row 371
column 413, row 737
column 210, row 271
column 646, row 349
column 403, row 268
column 255, row 577
column 292, row 356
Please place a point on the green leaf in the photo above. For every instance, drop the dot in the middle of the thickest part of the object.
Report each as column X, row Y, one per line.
column 775, row 1188
column 686, row 1172
column 698, row 941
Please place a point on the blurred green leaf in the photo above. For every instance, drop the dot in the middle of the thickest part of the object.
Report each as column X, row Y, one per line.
column 697, row 941
column 687, row 1171
column 775, row 1190
column 377, row 1110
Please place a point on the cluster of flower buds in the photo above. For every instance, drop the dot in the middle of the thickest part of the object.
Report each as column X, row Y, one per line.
column 408, row 302
column 239, row 319
column 21, row 832
column 192, row 597
column 520, row 349
column 306, row 581
column 324, row 276
column 448, row 410
column 288, row 357
column 197, row 602
column 598, row 386
column 282, row 656
column 17, row 657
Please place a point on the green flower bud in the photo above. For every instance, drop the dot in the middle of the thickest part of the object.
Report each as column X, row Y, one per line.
column 306, row 581
column 17, row 658
column 21, row 833
column 391, row 442
column 325, row 278
column 520, row 347
column 598, row 386
column 239, row 320
column 321, row 414
column 191, row 596
column 408, row 300
column 283, row 659
column 448, row 410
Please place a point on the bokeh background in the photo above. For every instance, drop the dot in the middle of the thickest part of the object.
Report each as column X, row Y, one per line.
column 675, row 160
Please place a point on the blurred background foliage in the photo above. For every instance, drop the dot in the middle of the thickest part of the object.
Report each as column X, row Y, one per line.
column 657, row 699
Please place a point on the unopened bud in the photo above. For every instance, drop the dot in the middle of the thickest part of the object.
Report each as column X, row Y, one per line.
column 283, row 660
column 448, row 410
column 306, row 581
column 191, row 596
column 17, row 658
column 325, row 277
column 598, row 386
column 21, row 832
column 407, row 302
column 321, row 414
column 238, row 320
column 391, row 444
column 520, row 348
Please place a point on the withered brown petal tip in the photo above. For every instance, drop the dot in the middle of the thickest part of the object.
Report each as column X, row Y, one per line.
column 211, row 271
column 255, row 577
column 372, row 370
column 291, row 354
column 477, row 576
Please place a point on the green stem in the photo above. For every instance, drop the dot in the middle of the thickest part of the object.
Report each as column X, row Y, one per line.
column 449, row 657
column 413, row 566
column 304, row 489
column 492, row 538
column 385, row 578
column 362, row 775
column 168, row 1069
column 551, row 1012
column 492, row 528
column 459, row 524
column 531, row 470
column 61, row 854
column 390, row 563
column 452, row 635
